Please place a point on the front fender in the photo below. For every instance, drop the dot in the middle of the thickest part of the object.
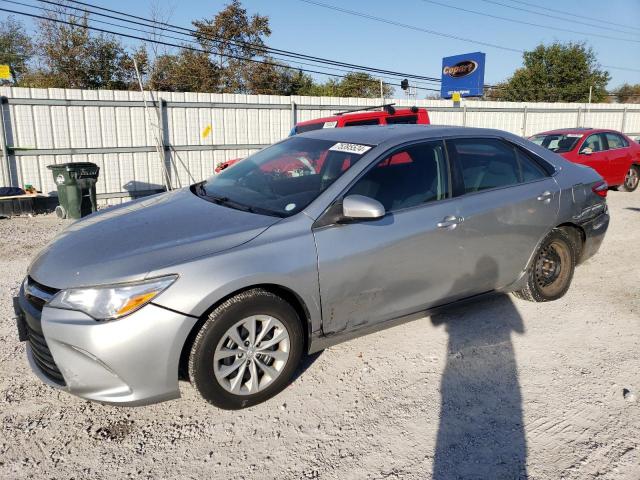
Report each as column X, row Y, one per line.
column 279, row 257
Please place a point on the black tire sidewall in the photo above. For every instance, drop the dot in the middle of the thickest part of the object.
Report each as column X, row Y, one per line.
column 554, row 235
column 253, row 302
column 624, row 186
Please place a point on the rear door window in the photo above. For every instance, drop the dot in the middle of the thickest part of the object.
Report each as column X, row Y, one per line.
column 358, row 123
column 486, row 163
column 530, row 170
column 308, row 128
column 403, row 119
column 615, row 141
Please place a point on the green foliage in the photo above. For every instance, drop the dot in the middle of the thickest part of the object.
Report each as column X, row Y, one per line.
column 16, row 48
column 71, row 57
column 556, row 73
column 628, row 93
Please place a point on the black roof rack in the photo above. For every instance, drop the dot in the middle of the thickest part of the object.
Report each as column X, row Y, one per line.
column 387, row 107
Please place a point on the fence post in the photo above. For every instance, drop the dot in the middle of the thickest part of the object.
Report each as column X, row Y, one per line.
column 524, row 122
column 294, row 114
column 578, row 119
column 164, row 139
column 6, row 165
column 464, row 115
column 624, row 119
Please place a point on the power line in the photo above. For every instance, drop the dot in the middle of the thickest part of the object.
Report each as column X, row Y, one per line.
column 571, row 18
column 297, row 62
column 188, row 47
column 407, row 26
column 570, row 14
column 259, row 47
column 419, row 29
column 538, row 25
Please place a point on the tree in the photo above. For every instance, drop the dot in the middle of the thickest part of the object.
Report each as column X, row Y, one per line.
column 231, row 36
column 188, row 71
column 16, row 49
column 628, row 93
column 71, row 57
column 359, row 84
column 557, row 73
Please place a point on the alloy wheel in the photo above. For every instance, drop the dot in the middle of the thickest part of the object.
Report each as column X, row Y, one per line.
column 631, row 179
column 251, row 354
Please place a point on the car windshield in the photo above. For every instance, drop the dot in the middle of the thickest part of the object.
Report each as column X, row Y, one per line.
column 283, row 179
column 557, row 142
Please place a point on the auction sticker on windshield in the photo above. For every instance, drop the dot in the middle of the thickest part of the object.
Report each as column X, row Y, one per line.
column 350, row 148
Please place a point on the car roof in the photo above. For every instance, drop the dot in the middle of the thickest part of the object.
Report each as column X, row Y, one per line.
column 378, row 134
column 361, row 116
column 582, row 131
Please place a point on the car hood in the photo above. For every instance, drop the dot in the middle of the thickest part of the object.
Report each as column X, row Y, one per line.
column 126, row 242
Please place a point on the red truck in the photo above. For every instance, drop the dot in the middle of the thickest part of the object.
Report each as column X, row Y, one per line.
column 352, row 118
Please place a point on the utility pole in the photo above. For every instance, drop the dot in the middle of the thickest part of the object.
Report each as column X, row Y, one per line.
column 589, row 105
column 381, row 92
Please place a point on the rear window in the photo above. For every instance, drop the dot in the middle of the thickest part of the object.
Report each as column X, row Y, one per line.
column 404, row 119
column 308, row 128
column 359, row 123
column 556, row 142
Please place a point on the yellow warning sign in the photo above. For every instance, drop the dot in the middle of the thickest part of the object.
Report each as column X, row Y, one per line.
column 5, row 73
column 455, row 96
column 206, row 132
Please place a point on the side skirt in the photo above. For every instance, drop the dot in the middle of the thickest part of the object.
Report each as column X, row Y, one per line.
column 319, row 341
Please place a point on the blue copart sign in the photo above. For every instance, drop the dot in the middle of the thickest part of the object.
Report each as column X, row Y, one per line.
column 464, row 74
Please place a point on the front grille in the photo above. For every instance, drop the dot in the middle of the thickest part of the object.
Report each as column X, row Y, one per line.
column 42, row 357
column 36, row 296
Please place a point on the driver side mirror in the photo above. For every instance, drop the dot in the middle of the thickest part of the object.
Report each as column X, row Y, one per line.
column 586, row 151
column 359, row 207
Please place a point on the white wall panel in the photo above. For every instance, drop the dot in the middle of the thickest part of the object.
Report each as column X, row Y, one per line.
column 103, row 126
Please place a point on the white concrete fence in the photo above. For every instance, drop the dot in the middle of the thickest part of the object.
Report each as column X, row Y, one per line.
column 134, row 145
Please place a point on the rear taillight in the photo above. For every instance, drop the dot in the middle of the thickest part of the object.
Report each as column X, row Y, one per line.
column 600, row 188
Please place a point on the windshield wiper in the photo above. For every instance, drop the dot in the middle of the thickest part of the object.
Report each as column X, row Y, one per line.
column 226, row 201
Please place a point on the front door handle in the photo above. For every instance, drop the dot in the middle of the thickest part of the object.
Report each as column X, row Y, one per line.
column 449, row 222
column 545, row 196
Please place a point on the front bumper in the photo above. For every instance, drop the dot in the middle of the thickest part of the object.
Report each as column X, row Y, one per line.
column 131, row 361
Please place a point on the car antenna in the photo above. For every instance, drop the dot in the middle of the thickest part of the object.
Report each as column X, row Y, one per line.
column 387, row 107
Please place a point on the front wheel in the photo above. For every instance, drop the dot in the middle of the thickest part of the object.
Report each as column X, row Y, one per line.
column 631, row 179
column 247, row 351
column 549, row 276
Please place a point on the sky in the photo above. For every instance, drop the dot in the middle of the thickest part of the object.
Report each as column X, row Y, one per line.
column 318, row 31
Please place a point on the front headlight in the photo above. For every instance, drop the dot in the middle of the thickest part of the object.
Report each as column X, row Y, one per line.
column 111, row 301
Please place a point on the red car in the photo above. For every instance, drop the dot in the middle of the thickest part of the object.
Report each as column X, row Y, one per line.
column 388, row 116
column 612, row 154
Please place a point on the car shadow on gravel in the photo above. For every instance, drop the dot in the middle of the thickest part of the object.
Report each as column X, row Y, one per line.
column 481, row 432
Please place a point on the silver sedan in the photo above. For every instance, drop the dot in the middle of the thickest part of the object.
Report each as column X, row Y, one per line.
column 319, row 238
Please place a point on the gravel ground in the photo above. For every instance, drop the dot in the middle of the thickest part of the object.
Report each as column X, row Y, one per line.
column 499, row 389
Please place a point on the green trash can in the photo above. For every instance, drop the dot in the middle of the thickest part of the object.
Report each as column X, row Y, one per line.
column 76, row 184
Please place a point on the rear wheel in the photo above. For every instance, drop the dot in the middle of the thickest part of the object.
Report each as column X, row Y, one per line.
column 631, row 179
column 247, row 350
column 549, row 275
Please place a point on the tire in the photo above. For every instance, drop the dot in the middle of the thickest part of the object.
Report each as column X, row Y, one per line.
column 631, row 180
column 60, row 212
column 216, row 361
column 549, row 276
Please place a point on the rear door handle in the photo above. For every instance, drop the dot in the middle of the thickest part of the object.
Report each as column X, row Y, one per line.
column 449, row 222
column 544, row 196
